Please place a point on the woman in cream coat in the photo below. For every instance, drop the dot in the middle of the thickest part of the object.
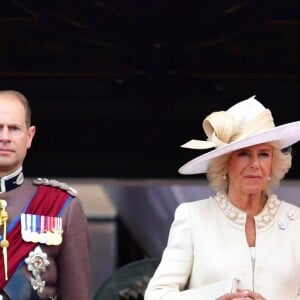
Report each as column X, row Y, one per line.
column 244, row 242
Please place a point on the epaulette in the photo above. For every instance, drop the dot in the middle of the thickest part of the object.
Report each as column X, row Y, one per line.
column 56, row 183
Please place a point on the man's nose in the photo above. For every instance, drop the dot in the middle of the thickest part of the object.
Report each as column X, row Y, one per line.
column 4, row 133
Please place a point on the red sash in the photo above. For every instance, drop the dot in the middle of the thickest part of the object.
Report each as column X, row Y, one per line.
column 48, row 201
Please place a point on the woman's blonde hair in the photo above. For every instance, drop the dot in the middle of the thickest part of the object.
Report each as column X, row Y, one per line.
column 218, row 168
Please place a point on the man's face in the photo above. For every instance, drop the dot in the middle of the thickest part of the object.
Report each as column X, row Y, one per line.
column 15, row 136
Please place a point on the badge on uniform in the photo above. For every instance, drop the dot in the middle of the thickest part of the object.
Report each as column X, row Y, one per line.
column 41, row 229
column 37, row 262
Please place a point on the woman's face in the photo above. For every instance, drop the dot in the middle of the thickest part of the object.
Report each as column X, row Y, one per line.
column 249, row 168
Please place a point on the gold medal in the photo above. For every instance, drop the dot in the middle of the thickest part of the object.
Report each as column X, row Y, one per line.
column 43, row 238
column 35, row 237
column 49, row 237
column 57, row 238
column 26, row 235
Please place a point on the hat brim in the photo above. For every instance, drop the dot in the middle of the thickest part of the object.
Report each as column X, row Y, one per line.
column 287, row 135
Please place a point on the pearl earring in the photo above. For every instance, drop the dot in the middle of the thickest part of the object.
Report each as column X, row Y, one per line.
column 225, row 177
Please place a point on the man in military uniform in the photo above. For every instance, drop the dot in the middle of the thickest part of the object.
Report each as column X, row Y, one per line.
column 44, row 235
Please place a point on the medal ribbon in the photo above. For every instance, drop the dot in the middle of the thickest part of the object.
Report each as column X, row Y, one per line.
column 47, row 201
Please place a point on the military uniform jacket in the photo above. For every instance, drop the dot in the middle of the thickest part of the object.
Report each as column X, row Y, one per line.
column 207, row 248
column 68, row 274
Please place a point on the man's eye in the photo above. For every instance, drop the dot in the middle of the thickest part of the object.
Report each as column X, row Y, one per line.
column 15, row 128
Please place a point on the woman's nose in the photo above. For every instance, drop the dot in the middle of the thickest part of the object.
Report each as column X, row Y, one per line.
column 254, row 161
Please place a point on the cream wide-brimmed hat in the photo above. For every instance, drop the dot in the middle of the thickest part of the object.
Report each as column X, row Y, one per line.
column 244, row 124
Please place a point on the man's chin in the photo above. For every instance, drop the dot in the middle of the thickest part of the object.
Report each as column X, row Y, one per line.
column 6, row 165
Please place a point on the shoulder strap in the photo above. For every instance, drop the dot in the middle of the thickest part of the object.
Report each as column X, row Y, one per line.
column 19, row 285
column 47, row 201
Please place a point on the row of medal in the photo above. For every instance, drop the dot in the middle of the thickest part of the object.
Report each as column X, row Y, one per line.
column 41, row 229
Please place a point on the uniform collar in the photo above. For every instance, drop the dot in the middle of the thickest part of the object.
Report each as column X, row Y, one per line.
column 11, row 181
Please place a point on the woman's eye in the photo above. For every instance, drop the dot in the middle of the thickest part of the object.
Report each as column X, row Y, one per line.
column 243, row 153
column 265, row 154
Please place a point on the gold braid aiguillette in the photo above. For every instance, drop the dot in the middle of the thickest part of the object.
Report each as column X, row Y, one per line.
column 4, row 242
